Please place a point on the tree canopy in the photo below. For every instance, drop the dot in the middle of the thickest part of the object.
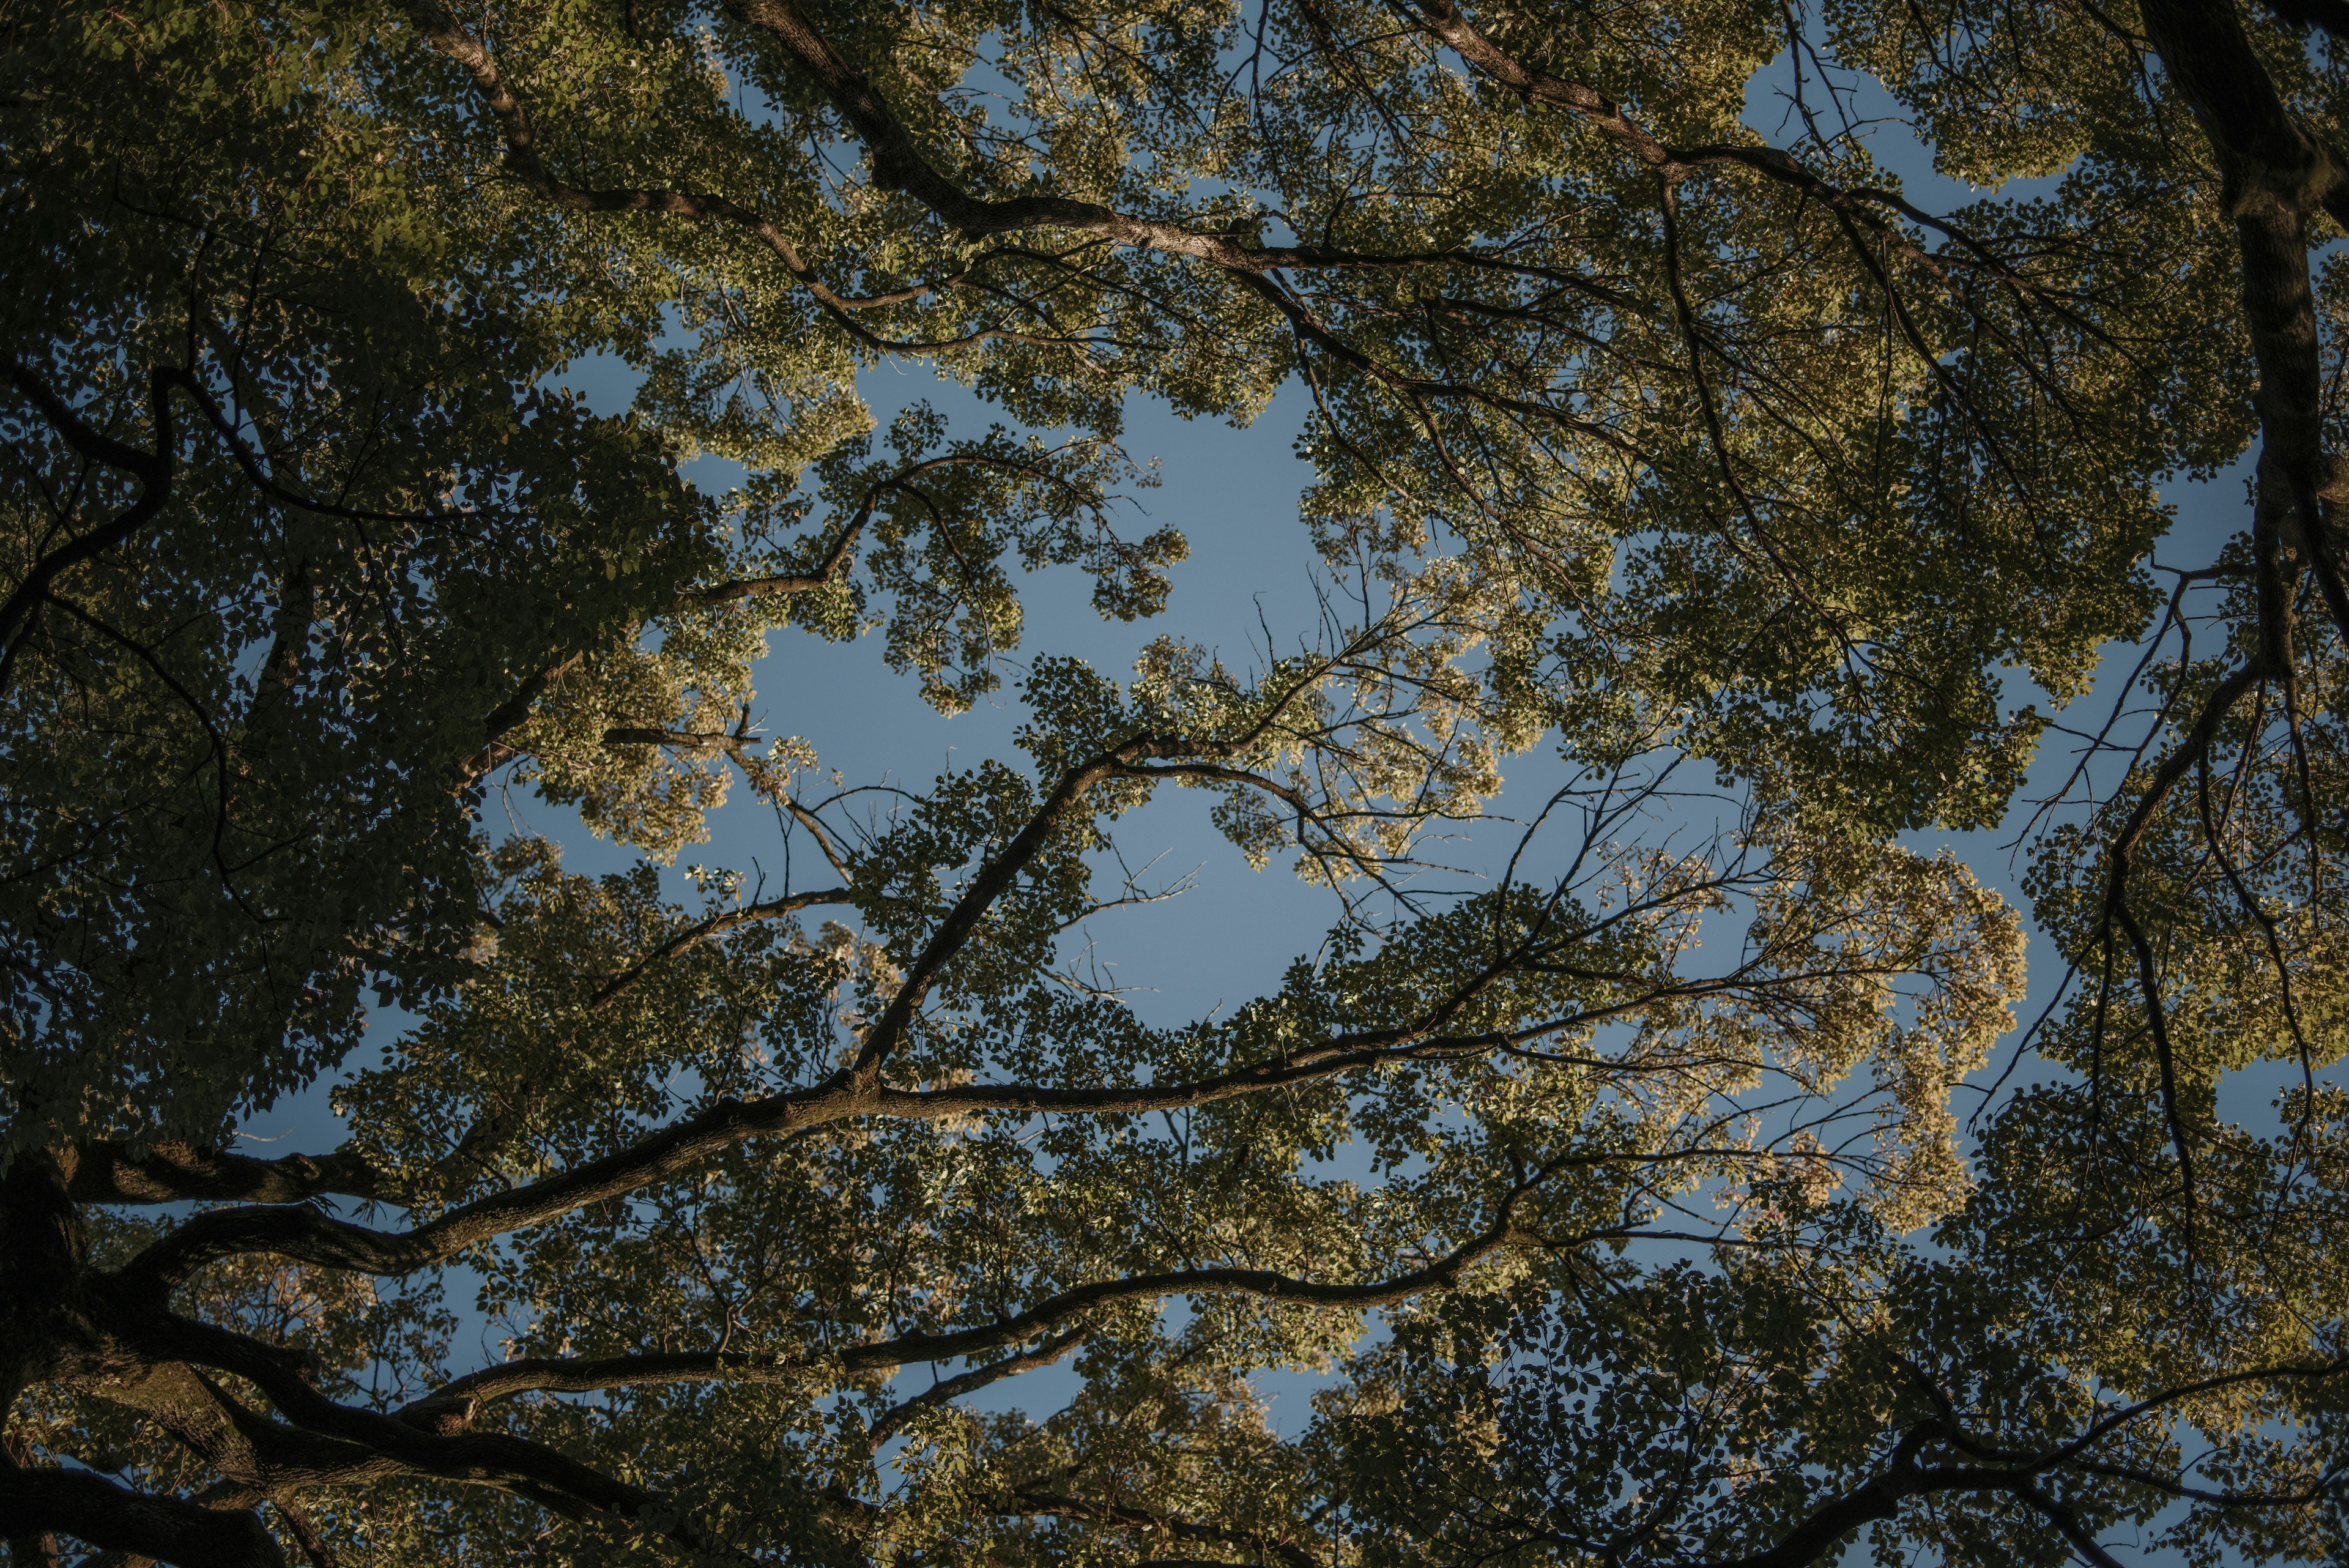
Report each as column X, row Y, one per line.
column 1663, row 1197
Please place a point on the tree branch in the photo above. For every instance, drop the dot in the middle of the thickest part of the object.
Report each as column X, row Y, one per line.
column 581, row 1376
column 153, row 470
column 99, row 1513
column 2273, row 175
column 891, row 1421
column 107, row 1172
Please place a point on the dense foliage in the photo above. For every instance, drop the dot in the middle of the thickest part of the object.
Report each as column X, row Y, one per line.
column 1620, row 1205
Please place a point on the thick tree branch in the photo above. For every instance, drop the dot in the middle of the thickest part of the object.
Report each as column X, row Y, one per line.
column 107, row 1172
column 445, row 34
column 483, row 1458
column 305, row 1233
column 898, row 163
column 99, row 1513
column 302, row 1232
column 1820, row 1532
column 2273, row 177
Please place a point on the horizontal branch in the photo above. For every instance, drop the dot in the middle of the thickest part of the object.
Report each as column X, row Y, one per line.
column 586, row 1375
column 103, row 1171
column 303, row 1233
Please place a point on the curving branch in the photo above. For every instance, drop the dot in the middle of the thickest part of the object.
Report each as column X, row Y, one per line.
column 1822, row 1531
column 154, row 470
column 899, row 164
column 447, row 36
column 483, row 1459
column 715, row 925
column 515, row 710
column 587, row 1374
column 1865, row 205
column 1125, row 760
column 835, row 556
column 2019, row 1475
column 430, row 1436
column 492, row 1128
column 99, row 1513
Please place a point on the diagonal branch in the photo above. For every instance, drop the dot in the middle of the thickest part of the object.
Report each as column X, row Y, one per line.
column 835, row 556
column 891, row 1421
